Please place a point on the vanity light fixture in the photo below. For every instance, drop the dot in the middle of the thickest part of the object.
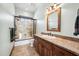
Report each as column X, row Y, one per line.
column 53, row 8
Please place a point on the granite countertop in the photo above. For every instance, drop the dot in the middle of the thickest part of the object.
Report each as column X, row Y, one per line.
column 68, row 44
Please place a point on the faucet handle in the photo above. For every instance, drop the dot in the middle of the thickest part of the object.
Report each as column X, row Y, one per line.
column 51, row 34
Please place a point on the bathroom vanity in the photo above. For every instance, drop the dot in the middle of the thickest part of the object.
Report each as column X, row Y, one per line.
column 55, row 46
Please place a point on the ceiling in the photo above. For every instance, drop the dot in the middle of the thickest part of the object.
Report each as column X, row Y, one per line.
column 25, row 7
column 31, row 7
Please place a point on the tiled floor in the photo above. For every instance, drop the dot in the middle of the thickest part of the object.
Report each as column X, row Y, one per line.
column 24, row 50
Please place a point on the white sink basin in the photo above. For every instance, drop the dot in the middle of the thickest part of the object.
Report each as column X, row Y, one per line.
column 53, row 37
column 48, row 37
column 44, row 35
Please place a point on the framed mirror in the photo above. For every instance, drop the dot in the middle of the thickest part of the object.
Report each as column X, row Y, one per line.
column 53, row 20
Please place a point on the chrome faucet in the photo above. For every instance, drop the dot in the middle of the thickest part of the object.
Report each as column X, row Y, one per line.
column 50, row 34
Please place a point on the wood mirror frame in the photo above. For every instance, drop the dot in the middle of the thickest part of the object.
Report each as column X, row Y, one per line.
column 58, row 12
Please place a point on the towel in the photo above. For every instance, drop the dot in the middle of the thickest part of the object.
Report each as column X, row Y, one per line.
column 77, row 26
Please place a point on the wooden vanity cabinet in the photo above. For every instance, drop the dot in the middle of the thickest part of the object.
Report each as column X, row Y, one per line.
column 45, row 48
column 61, row 52
column 42, row 47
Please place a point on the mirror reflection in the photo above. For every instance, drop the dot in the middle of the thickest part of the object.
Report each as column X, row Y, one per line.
column 53, row 20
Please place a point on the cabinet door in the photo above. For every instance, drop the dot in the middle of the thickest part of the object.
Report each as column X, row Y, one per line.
column 47, row 52
column 61, row 52
column 41, row 49
column 47, row 48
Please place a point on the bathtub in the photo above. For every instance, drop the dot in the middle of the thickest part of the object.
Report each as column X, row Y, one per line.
column 23, row 42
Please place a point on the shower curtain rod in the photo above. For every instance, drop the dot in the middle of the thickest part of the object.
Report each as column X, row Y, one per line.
column 25, row 17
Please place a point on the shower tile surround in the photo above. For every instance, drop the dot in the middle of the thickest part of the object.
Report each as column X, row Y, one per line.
column 24, row 31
